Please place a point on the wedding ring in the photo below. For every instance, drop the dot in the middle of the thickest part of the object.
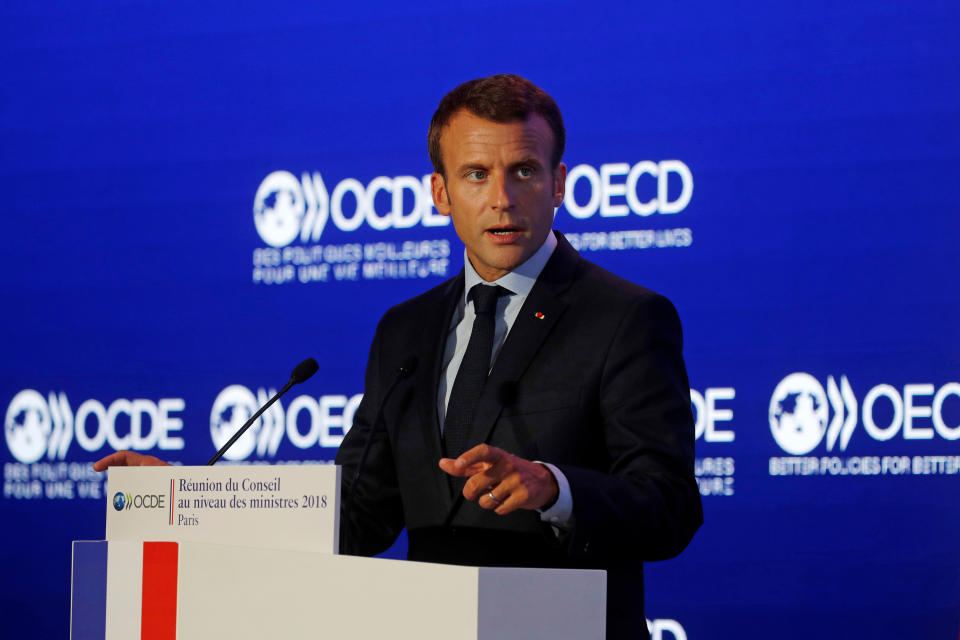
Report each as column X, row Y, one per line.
column 490, row 495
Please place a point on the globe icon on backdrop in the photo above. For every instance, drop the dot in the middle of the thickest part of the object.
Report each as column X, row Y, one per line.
column 231, row 409
column 798, row 413
column 28, row 426
column 278, row 208
column 118, row 501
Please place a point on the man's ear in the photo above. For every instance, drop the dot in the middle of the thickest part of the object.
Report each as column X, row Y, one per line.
column 559, row 184
column 441, row 199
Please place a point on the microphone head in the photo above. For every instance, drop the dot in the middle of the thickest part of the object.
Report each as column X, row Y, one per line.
column 304, row 370
column 407, row 367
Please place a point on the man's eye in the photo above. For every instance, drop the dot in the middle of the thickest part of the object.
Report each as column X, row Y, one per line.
column 476, row 174
column 525, row 172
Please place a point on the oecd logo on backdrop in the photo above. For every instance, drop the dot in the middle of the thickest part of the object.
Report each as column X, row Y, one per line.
column 615, row 190
column 285, row 207
column 36, row 426
column 800, row 407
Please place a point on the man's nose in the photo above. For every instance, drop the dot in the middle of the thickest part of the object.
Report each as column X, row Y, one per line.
column 502, row 196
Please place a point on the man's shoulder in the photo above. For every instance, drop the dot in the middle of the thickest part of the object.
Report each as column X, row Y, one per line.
column 605, row 288
column 430, row 301
column 608, row 283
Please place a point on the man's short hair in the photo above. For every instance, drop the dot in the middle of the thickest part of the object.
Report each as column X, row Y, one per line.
column 501, row 98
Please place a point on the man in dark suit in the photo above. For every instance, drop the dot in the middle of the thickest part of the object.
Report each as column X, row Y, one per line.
column 576, row 449
column 547, row 422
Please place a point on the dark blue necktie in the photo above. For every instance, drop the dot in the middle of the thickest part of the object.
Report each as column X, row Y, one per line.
column 473, row 371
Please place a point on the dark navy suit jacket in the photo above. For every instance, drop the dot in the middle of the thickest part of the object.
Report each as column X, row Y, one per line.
column 590, row 378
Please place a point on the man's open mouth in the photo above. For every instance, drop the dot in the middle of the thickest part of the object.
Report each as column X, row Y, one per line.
column 504, row 231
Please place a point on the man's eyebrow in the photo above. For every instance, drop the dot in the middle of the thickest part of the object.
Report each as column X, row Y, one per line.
column 469, row 166
column 531, row 160
column 528, row 160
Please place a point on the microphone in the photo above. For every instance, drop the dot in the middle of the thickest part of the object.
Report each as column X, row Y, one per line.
column 300, row 373
column 404, row 371
column 303, row 371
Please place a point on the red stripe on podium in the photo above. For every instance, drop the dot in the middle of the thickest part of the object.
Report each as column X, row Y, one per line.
column 158, row 614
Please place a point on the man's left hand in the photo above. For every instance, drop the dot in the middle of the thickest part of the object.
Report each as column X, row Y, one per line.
column 514, row 482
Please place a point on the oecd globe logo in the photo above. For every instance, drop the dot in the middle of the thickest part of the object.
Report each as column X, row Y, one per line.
column 278, row 208
column 27, row 426
column 119, row 501
column 798, row 413
column 233, row 407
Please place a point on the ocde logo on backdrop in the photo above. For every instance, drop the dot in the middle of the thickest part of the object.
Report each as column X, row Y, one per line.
column 285, row 207
column 35, row 425
column 799, row 412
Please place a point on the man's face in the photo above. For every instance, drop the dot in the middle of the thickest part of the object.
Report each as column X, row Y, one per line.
column 500, row 188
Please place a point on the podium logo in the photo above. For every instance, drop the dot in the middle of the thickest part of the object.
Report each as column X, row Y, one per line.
column 36, row 426
column 800, row 408
column 125, row 501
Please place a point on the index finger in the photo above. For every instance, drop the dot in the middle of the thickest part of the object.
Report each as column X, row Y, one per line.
column 451, row 466
column 480, row 453
column 117, row 458
column 126, row 459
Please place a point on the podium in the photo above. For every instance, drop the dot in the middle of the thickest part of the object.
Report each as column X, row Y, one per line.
column 186, row 589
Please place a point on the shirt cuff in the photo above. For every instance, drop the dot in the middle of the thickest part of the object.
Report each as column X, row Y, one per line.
column 561, row 513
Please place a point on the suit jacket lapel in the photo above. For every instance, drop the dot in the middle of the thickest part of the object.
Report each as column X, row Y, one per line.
column 432, row 344
column 541, row 310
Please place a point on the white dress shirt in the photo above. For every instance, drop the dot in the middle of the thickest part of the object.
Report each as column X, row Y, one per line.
column 518, row 282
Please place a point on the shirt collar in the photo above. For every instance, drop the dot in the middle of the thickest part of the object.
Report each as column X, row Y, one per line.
column 519, row 281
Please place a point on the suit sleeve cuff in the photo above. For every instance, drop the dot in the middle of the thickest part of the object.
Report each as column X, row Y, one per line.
column 561, row 513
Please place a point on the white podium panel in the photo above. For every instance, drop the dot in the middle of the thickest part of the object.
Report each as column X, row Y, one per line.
column 263, row 593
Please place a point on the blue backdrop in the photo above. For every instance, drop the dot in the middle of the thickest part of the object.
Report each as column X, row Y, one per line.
column 197, row 198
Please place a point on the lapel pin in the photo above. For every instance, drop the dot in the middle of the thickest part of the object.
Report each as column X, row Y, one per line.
column 539, row 315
